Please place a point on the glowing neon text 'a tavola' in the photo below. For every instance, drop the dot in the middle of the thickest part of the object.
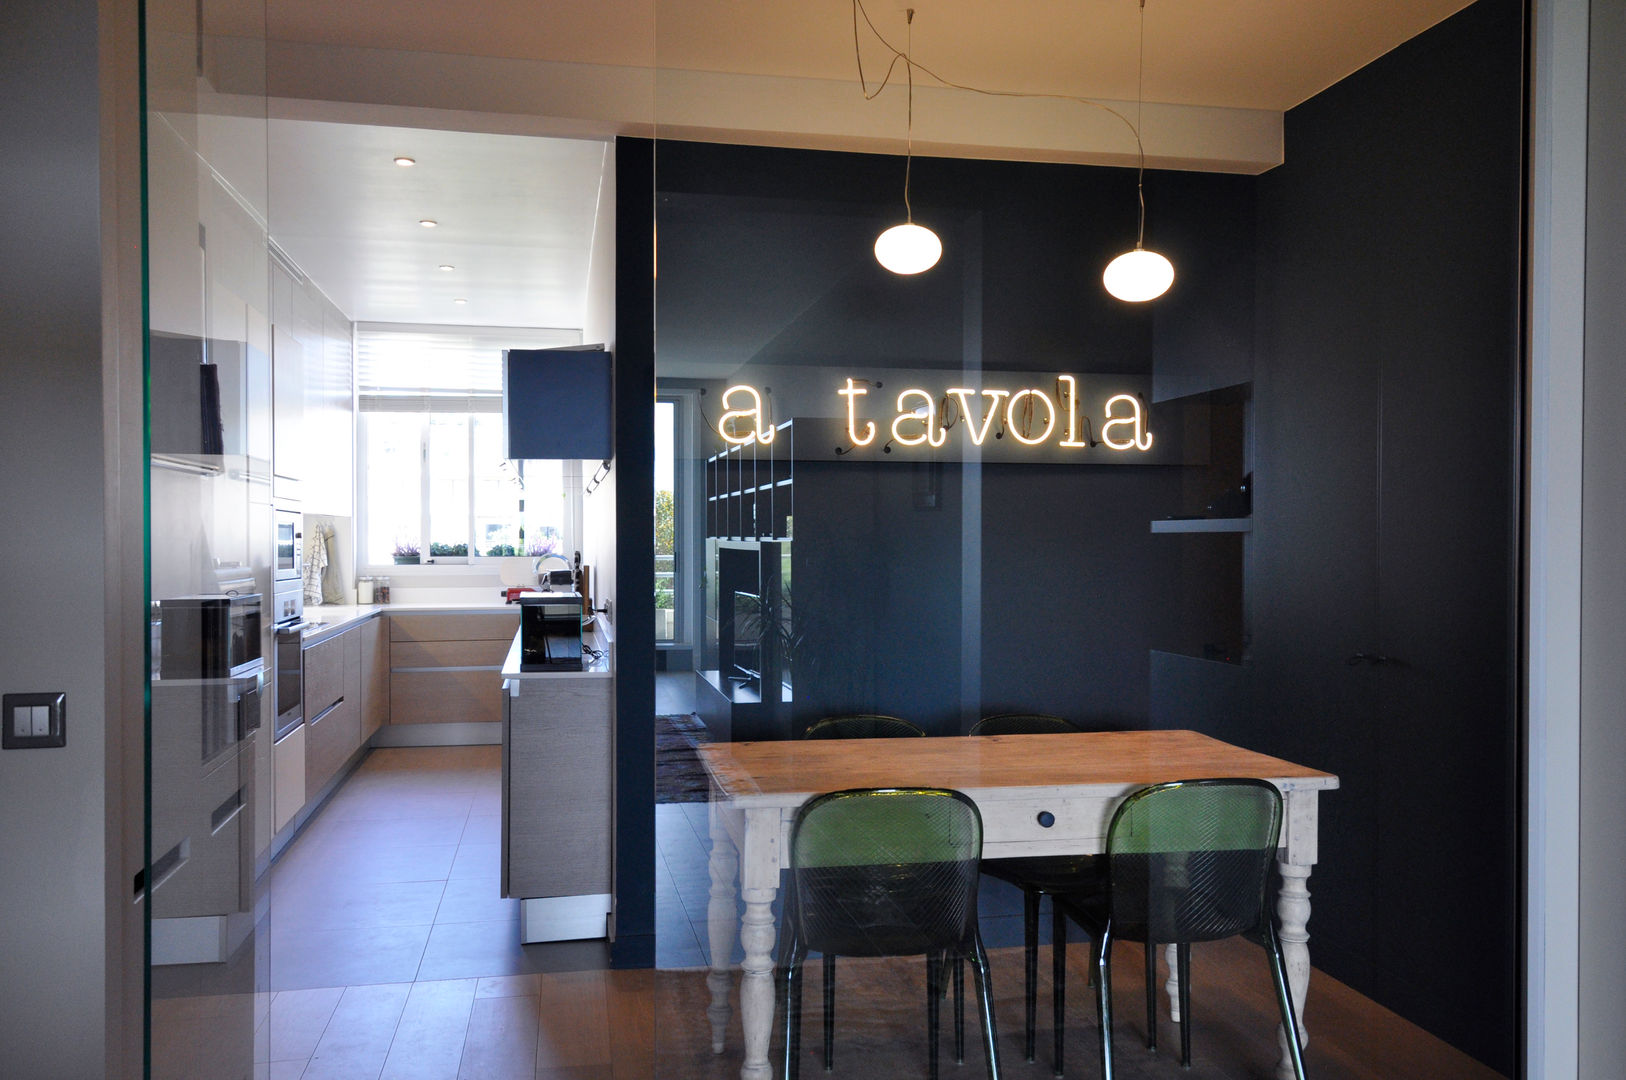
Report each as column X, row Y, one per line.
column 761, row 431
column 1030, row 415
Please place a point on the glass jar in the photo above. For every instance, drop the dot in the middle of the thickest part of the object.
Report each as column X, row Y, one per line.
column 381, row 590
column 364, row 590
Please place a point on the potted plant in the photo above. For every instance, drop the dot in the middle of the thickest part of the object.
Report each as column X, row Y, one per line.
column 406, row 552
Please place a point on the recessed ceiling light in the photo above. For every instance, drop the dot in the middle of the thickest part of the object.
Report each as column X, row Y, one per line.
column 460, row 300
column 447, row 266
column 406, row 162
column 428, row 223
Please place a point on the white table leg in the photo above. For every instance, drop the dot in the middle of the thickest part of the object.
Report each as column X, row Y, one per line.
column 1171, row 957
column 756, row 982
column 1293, row 911
column 724, row 864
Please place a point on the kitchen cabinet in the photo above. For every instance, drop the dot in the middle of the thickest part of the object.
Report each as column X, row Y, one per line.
column 332, row 707
column 375, row 675
column 447, row 668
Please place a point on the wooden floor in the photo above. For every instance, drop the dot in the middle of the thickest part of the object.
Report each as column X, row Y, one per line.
column 881, row 1025
column 387, row 954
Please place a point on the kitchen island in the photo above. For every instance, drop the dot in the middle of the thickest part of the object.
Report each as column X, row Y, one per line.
column 558, row 773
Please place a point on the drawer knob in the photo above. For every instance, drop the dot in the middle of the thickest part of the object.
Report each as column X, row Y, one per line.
column 1046, row 819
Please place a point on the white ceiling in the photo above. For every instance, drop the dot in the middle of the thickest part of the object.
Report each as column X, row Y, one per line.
column 515, row 213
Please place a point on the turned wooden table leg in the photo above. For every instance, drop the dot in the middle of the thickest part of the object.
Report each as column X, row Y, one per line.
column 1172, row 986
column 756, row 982
column 1293, row 911
column 724, row 865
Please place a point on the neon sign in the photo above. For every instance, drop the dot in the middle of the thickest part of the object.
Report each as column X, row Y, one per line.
column 1032, row 416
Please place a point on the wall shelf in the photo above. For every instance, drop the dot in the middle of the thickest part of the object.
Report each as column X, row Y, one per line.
column 1203, row 525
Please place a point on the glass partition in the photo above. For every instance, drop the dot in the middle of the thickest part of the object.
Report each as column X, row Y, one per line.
column 210, row 539
column 1210, row 535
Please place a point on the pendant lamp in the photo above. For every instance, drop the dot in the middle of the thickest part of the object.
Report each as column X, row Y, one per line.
column 1139, row 275
column 908, row 248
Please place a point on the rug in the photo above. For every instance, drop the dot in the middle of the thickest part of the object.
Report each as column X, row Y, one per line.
column 679, row 776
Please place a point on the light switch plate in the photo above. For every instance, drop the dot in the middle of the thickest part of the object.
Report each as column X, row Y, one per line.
column 33, row 721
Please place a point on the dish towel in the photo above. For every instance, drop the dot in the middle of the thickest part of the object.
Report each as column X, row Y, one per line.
column 315, row 564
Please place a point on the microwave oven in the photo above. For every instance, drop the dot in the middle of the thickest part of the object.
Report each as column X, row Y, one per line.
column 211, row 636
column 288, row 556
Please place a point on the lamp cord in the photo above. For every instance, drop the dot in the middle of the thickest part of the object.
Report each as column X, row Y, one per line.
column 910, row 64
column 1140, row 96
column 909, row 115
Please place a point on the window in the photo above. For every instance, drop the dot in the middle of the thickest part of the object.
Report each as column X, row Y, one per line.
column 434, row 481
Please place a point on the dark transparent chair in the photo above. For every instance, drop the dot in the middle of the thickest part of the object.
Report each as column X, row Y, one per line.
column 1038, row 877
column 887, row 872
column 1186, row 861
column 862, row 726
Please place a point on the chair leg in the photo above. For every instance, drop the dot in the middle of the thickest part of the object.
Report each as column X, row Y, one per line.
column 793, row 1016
column 1058, row 985
column 829, row 1012
column 1182, row 952
column 1030, row 965
column 985, row 1003
column 1284, row 1000
column 934, row 983
column 959, row 1010
column 1151, row 995
column 1103, row 998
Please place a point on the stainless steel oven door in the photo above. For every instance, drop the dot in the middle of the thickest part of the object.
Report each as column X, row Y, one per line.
column 290, row 679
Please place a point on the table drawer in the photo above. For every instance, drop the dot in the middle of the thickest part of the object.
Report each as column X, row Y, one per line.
column 1079, row 822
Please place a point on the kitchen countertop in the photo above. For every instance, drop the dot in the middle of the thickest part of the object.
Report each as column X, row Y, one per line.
column 330, row 620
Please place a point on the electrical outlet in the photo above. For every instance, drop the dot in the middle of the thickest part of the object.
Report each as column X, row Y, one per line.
column 33, row 721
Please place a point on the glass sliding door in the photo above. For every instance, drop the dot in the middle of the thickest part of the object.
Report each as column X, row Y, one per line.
column 210, row 536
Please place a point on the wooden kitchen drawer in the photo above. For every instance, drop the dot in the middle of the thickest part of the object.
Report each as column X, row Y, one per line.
column 445, row 697
column 330, row 738
column 497, row 626
column 324, row 675
column 441, row 654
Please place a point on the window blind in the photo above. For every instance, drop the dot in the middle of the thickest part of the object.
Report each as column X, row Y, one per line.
column 435, row 368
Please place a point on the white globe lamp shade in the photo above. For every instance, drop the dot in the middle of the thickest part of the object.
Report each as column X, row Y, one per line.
column 1138, row 276
column 908, row 249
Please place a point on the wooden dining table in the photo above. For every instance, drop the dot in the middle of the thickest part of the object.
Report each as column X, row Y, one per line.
column 1037, row 794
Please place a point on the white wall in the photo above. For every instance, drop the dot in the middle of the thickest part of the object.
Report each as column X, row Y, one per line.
column 52, row 871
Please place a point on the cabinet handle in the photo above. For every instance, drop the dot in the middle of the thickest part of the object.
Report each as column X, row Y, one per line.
column 1371, row 659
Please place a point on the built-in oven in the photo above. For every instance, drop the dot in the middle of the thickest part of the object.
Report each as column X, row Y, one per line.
column 287, row 656
column 288, row 556
column 290, row 678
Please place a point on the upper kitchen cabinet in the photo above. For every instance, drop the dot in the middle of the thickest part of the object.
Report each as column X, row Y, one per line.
column 556, row 403
column 314, row 392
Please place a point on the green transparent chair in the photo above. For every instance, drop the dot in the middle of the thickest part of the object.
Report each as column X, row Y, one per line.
column 1186, row 861
column 862, row 726
column 887, row 872
column 1040, row 876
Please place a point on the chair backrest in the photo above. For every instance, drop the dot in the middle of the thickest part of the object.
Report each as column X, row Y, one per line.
column 862, row 726
column 1023, row 724
column 885, row 871
column 1190, row 860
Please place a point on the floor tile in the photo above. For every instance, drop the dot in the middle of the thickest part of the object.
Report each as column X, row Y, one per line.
column 358, row 1037
column 482, row 829
column 447, row 829
column 573, row 1021
column 345, row 904
column 480, row 861
column 501, row 1040
column 297, row 1020
column 508, row 986
column 363, row 862
column 316, row 958
column 475, row 950
column 429, row 1039
column 475, row 900
column 285, row 1070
